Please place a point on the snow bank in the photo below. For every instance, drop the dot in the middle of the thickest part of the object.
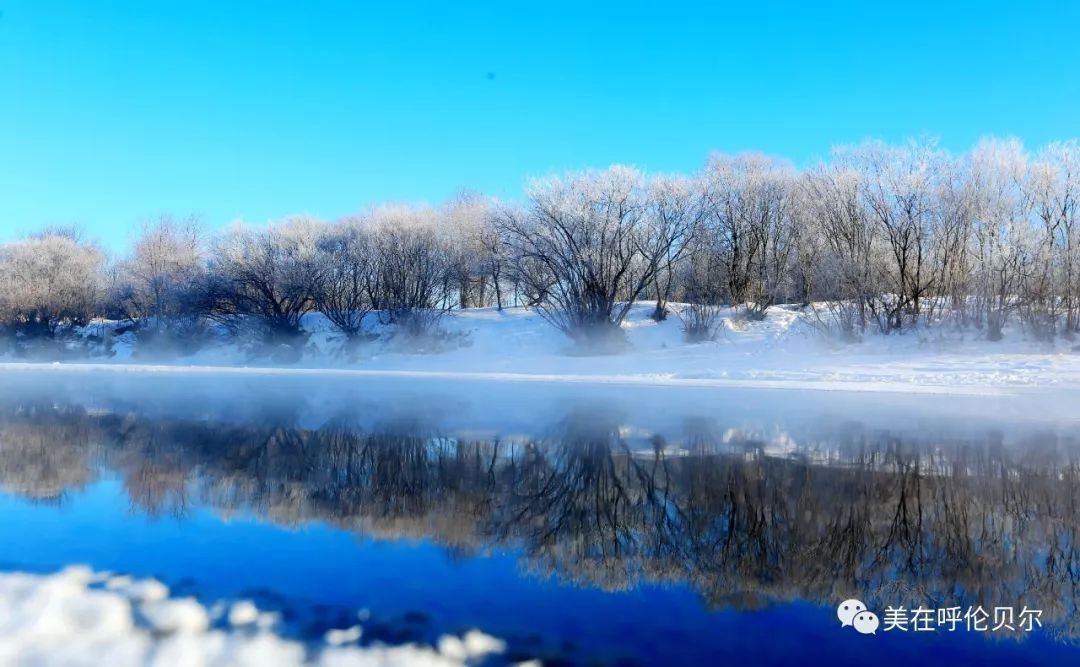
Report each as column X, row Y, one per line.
column 77, row 617
column 783, row 351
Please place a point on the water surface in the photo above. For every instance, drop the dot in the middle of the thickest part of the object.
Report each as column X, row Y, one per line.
column 583, row 525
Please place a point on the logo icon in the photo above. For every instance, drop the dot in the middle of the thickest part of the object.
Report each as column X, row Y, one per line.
column 854, row 613
column 847, row 610
column 866, row 623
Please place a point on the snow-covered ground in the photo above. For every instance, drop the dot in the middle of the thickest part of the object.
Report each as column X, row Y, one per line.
column 79, row 617
column 782, row 352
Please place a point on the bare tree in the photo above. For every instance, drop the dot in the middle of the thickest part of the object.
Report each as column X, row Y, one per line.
column 833, row 205
column 268, row 276
column 674, row 212
column 492, row 256
column 749, row 213
column 703, row 287
column 1054, row 288
column 807, row 269
column 158, row 283
column 413, row 286
column 461, row 226
column 345, row 291
column 1002, row 223
column 899, row 186
column 579, row 249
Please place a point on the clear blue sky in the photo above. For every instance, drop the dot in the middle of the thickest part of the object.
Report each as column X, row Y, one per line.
column 112, row 111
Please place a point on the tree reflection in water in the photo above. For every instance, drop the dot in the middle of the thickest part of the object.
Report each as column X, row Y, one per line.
column 893, row 519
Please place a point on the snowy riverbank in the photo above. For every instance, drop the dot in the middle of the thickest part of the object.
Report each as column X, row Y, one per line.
column 781, row 352
column 79, row 617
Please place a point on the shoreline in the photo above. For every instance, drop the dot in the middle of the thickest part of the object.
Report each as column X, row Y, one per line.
column 650, row 380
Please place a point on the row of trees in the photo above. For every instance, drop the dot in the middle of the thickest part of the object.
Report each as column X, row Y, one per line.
column 882, row 237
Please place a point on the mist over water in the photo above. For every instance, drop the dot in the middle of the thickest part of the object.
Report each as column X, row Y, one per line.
column 559, row 518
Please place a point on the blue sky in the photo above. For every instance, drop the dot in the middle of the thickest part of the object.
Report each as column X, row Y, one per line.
column 112, row 112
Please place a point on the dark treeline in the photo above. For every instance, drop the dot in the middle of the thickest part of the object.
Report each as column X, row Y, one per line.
column 977, row 520
column 881, row 237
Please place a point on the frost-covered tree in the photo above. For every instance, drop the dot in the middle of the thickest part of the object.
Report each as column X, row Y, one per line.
column 749, row 214
column 414, row 267
column 1001, row 228
column 462, row 224
column 848, row 283
column 674, row 211
column 159, row 283
column 493, row 258
column 809, row 247
column 267, row 276
column 1052, row 291
column 48, row 282
column 580, row 250
column 346, row 291
column 702, row 286
column 900, row 187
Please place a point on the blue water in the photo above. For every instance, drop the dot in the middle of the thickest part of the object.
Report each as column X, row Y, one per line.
column 402, row 565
